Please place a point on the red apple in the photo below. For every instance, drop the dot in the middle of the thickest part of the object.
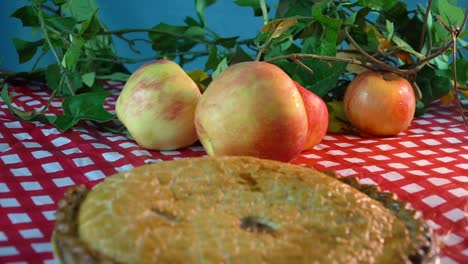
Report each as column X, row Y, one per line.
column 157, row 106
column 379, row 103
column 252, row 109
column 317, row 116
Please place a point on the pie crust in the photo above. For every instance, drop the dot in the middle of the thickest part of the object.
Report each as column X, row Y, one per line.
column 237, row 210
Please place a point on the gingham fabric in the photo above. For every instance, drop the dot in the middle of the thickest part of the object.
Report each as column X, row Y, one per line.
column 426, row 166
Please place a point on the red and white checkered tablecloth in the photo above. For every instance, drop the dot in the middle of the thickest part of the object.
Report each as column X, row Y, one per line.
column 426, row 166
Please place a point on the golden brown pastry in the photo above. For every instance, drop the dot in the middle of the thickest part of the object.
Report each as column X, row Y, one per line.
column 235, row 210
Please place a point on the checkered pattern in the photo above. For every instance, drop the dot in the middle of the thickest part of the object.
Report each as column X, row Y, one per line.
column 427, row 166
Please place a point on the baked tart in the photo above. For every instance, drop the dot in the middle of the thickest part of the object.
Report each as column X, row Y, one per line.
column 236, row 210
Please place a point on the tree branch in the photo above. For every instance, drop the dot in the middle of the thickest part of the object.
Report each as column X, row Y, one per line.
column 54, row 52
column 423, row 32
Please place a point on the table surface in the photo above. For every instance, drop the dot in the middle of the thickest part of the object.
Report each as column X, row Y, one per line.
column 426, row 166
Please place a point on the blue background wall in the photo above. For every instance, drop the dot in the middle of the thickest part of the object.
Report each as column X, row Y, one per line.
column 224, row 17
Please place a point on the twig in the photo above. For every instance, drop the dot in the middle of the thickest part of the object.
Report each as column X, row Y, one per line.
column 455, row 82
column 307, row 68
column 379, row 63
column 423, row 32
column 54, row 52
column 297, row 56
column 153, row 30
column 264, row 11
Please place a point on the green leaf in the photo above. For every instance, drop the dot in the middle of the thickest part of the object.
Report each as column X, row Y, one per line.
column 91, row 27
column 432, row 85
column 88, row 78
column 240, row 56
column 54, row 77
column 254, row 4
column 390, row 29
column 227, row 42
column 62, row 24
column 26, row 49
column 406, row 47
column 221, row 67
column 337, row 120
column 70, row 59
column 81, row 10
column 116, row 76
column 213, row 60
column 462, row 72
column 24, row 115
column 28, row 16
column 200, row 6
column 449, row 11
column 378, row 4
column 331, row 27
column 87, row 106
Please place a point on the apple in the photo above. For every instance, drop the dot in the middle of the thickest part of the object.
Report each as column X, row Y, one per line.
column 379, row 103
column 157, row 106
column 317, row 116
column 252, row 109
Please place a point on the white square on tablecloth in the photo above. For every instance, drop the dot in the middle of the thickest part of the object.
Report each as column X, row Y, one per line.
column 354, row 160
column 52, row 167
column 41, row 154
column 372, row 168
column 451, row 239
column 112, row 156
column 62, row 182
column 379, row 157
column 170, row 152
column 459, row 192
column 367, row 181
column 328, row 163
column 71, row 151
column 336, row 152
column 32, row 145
column 422, row 162
column 393, row 176
column 14, row 124
column 42, row 247
column 346, row 172
column 9, row 202
column 442, row 170
column 31, row 233
column 60, row 141
column 18, row 218
column 455, row 215
column 124, row 168
column 50, row 131
column 412, row 188
column 100, row 146
column 49, row 215
column 434, row 200
column 8, row 251
column 42, row 199
column 128, row 145
column 21, row 172
column 82, row 162
column 3, row 237
column 31, row 186
column 11, row 159
column 95, row 175
column 408, row 144
column 397, row 165
column 22, row 136
column 403, row 155
column 4, row 188
column 139, row 152
column 438, row 181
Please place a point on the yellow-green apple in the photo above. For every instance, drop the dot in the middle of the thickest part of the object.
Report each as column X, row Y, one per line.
column 157, row 106
column 253, row 109
column 317, row 116
column 379, row 103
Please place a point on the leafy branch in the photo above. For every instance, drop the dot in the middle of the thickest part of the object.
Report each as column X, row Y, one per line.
column 321, row 44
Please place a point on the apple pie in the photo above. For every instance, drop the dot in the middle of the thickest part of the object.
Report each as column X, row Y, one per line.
column 236, row 210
